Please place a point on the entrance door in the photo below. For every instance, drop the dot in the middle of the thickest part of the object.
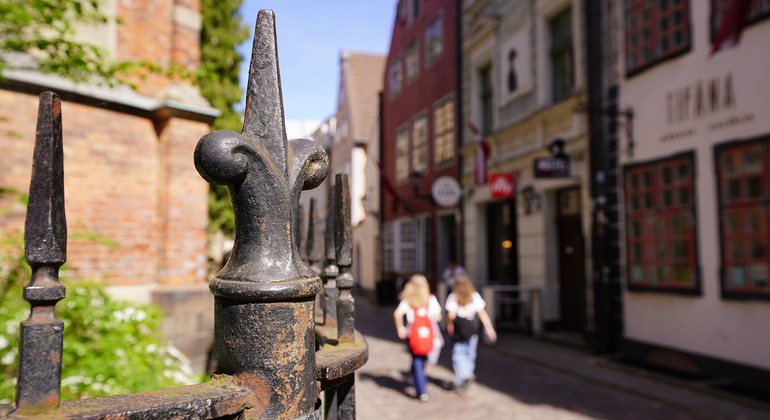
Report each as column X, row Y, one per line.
column 571, row 260
column 503, row 255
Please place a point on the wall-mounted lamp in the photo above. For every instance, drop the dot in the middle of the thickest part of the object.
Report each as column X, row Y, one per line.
column 415, row 178
column 532, row 200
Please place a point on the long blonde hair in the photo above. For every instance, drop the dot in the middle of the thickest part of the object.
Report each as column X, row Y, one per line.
column 463, row 289
column 416, row 291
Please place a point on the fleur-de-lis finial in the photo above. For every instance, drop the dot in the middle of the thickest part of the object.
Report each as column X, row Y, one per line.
column 265, row 173
column 265, row 293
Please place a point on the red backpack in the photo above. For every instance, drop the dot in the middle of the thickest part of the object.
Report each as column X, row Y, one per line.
column 421, row 333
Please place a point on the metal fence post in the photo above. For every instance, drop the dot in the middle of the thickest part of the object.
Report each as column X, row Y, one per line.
column 264, row 295
column 331, row 270
column 45, row 238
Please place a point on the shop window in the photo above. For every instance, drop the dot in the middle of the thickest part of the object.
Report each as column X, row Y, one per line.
column 395, row 76
column 434, row 43
column 444, row 133
column 402, row 155
column 562, row 58
column 744, row 213
column 660, row 216
column 420, row 144
column 759, row 9
column 413, row 59
column 655, row 30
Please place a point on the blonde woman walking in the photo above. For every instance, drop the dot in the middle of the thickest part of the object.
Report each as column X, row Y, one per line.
column 416, row 300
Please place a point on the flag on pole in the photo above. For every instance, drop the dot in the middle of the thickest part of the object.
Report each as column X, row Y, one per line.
column 482, row 154
column 733, row 21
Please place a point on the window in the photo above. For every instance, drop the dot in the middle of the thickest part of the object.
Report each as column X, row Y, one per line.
column 744, row 212
column 413, row 59
column 759, row 9
column 655, row 30
column 414, row 10
column 562, row 69
column 402, row 155
column 660, row 218
column 485, row 97
column 420, row 144
column 444, row 132
column 434, row 44
column 395, row 76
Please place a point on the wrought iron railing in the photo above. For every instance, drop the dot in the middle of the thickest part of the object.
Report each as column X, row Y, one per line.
column 275, row 359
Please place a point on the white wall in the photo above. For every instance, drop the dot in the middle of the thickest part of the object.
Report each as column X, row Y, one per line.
column 710, row 325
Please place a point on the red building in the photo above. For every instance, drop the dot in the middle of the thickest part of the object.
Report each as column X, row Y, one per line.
column 420, row 161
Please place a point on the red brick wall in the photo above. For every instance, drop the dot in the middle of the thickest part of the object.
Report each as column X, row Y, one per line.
column 123, row 181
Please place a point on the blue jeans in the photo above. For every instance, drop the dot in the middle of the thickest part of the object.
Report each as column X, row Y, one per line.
column 419, row 380
column 464, row 359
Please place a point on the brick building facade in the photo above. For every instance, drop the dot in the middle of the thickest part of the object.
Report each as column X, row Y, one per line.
column 129, row 174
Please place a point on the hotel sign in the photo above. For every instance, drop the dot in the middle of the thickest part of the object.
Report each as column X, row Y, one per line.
column 556, row 166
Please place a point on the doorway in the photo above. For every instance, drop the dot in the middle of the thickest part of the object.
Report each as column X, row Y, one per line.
column 571, row 254
column 503, row 254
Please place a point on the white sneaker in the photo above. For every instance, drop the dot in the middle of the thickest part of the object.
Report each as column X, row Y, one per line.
column 424, row 397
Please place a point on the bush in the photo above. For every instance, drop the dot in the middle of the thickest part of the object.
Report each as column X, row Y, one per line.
column 110, row 347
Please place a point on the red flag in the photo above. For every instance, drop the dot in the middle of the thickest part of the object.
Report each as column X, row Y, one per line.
column 732, row 25
column 482, row 154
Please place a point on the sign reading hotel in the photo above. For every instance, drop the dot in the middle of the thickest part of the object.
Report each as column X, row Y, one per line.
column 556, row 166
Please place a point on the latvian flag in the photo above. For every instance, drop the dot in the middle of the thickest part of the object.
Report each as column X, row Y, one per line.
column 482, row 154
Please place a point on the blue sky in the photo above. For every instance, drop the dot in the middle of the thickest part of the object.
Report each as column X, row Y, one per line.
column 311, row 34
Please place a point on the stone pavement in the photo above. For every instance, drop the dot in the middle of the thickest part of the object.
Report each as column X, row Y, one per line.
column 521, row 378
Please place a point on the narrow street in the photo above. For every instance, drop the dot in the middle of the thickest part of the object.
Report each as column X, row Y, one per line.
column 506, row 388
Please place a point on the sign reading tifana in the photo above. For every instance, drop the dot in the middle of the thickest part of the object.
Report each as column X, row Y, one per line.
column 502, row 186
column 446, row 191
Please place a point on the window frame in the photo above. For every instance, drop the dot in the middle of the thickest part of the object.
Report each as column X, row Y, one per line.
column 744, row 205
column 415, row 44
column 401, row 154
column 643, row 227
column 449, row 132
column 420, row 159
column 432, row 58
column 653, row 23
column 396, row 64
column 562, row 48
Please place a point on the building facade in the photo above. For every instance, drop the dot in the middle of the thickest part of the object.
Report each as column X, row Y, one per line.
column 695, row 186
column 129, row 175
column 420, row 209
column 524, row 85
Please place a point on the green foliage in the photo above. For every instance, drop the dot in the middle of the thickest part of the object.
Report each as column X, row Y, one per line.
column 110, row 347
column 47, row 29
column 222, row 31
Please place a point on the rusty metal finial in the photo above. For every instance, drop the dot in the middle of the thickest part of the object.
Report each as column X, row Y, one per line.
column 265, row 293
column 343, row 243
column 45, row 247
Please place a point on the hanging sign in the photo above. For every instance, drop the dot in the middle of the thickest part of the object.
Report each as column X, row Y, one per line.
column 502, row 186
column 556, row 166
column 446, row 191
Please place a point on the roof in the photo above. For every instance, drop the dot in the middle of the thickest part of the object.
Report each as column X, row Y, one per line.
column 363, row 76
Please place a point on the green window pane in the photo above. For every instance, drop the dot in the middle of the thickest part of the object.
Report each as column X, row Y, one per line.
column 758, row 247
column 668, row 199
column 682, row 172
column 759, row 275
column 648, row 200
column 678, row 225
column 636, row 250
column 734, row 189
column 683, row 274
column 752, row 160
column 737, row 275
column 666, row 175
column 637, row 272
column 683, row 196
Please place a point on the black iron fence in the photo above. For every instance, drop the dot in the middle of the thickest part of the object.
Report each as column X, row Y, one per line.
column 276, row 356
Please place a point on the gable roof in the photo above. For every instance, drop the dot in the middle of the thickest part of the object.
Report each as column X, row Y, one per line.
column 362, row 77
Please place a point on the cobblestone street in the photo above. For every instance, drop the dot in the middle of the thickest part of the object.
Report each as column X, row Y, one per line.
column 506, row 388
